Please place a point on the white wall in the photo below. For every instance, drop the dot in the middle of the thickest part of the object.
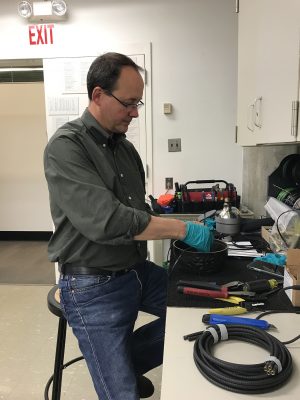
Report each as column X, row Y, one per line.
column 194, row 66
column 24, row 204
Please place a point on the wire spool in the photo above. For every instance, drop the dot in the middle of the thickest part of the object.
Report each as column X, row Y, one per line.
column 293, row 198
column 200, row 263
column 290, row 197
column 290, row 168
column 284, row 194
column 296, row 205
column 242, row 378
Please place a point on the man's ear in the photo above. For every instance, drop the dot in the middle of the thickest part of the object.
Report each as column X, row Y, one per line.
column 97, row 94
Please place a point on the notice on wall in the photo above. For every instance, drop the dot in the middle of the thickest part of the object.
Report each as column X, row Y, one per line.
column 66, row 96
column 63, row 105
column 133, row 133
column 59, row 121
column 75, row 72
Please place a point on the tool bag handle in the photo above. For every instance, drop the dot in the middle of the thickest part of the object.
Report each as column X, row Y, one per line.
column 206, row 181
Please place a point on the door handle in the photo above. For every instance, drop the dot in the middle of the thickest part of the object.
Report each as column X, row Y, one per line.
column 257, row 112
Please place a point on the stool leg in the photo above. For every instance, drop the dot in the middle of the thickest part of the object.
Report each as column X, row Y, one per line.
column 59, row 358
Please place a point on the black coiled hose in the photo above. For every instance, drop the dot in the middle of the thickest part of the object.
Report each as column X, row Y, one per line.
column 242, row 378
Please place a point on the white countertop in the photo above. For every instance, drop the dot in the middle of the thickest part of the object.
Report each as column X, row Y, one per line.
column 181, row 378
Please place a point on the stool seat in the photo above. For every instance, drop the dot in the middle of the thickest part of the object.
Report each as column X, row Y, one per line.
column 53, row 302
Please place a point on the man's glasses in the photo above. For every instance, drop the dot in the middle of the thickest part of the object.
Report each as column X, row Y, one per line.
column 127, row 105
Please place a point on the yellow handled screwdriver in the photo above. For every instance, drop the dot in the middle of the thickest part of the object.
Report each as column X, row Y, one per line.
column 261, row 285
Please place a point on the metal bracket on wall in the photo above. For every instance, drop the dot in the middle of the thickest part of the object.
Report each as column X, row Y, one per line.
column 295, row 114
column 237, row 6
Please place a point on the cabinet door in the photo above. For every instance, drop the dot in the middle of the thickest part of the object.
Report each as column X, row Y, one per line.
column 272, row 81
column 247, row 59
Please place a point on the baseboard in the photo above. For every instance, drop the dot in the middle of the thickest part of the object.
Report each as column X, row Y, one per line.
column 25, row 235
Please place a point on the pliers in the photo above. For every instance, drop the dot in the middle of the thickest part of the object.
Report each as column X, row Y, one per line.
column 211, row 289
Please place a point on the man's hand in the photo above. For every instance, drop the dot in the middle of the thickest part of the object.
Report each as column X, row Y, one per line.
column 198, row 236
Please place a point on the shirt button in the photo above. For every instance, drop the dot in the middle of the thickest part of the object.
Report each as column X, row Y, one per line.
column 121, row 175
column 129, row 197
column 104, row 145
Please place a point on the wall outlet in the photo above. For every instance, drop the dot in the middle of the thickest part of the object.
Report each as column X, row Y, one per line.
column 174, row 145
column 169, row 183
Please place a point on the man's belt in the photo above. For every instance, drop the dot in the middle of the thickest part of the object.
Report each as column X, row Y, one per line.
column 66, row 269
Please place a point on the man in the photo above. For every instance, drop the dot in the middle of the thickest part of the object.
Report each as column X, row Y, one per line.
column 97, row 196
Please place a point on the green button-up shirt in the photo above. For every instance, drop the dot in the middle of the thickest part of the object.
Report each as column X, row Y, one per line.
column 96, row 184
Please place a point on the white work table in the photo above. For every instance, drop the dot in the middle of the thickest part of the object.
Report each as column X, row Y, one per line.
column 181, row 378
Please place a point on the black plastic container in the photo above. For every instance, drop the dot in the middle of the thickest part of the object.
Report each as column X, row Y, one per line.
column 197, row 262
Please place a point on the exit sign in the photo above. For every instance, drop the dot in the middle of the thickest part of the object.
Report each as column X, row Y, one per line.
column 40, row 34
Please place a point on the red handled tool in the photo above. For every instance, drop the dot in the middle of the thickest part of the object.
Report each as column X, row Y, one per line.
column 222, row 292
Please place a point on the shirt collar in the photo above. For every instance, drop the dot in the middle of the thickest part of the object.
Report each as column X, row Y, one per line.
column 98, row 133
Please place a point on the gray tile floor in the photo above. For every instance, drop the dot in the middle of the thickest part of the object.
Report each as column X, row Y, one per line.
column 25, row 262
column 27, row 347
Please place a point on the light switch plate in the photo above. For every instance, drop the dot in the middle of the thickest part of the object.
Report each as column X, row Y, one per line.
column 169, row 183
column 167, row 108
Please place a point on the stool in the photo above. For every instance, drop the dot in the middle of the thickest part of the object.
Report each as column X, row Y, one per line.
column 54, row 306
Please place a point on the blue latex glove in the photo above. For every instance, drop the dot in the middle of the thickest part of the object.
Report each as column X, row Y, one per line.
column 198, row 236
column 273, row 258
column 210, row 223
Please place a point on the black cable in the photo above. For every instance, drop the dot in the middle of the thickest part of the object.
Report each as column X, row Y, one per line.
column 281, row 312
column 205, row 218
column 169, row 254
column 171, row 270
column 256, row 243
column 263, row 314
column 176, row 262
column 277, row 225
column 278, row 230
column 242, row 378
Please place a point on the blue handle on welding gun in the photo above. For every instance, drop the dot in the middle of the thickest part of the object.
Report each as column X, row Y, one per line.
column 227, row 319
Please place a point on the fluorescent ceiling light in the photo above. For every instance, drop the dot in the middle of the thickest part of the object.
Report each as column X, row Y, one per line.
column 17, row 69
column 25, row 9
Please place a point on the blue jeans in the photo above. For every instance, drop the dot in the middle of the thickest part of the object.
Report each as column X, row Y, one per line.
column 102, row 311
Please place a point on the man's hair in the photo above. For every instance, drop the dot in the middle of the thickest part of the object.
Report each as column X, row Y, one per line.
column 105, row 71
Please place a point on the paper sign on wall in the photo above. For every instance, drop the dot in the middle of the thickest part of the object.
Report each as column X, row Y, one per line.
column 63, row 105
